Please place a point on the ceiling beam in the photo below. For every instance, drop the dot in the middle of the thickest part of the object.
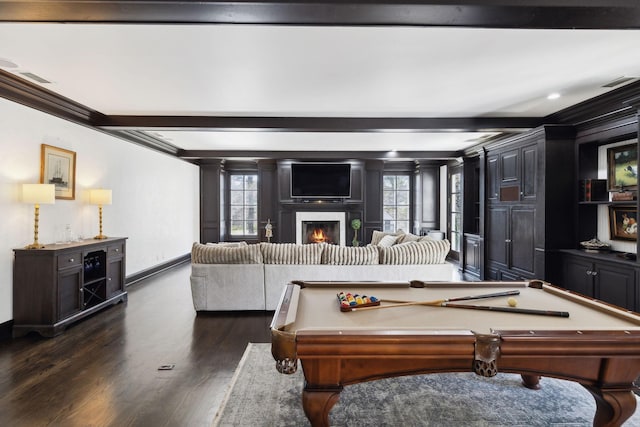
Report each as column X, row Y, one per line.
column 560, row 14
column 316, row 155
column 319, row 124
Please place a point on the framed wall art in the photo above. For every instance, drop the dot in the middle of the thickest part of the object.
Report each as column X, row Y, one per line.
column 622, row 167
column 623, row 221
column 58, row 166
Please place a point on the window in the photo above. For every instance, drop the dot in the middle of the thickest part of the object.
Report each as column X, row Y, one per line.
column 395, row 205
column 455, row 209
column 243, row 201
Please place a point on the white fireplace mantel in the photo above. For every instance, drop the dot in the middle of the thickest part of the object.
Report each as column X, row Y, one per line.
column 322, row 216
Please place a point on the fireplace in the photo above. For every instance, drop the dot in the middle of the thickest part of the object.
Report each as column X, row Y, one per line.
column 321, row 227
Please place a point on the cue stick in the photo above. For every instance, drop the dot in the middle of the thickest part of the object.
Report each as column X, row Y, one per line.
column 438, row 302
column 509, row 309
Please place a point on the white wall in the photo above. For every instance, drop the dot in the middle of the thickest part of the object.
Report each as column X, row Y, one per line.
column 155, row 196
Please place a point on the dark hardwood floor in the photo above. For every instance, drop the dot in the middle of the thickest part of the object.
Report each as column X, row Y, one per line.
column 103, row 371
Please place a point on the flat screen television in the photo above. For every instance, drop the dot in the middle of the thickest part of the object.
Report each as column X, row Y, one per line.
column 320, row 180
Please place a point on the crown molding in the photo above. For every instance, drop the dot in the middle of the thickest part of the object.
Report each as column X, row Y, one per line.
column 617, row 103
column 31, row 95
column 34, row 96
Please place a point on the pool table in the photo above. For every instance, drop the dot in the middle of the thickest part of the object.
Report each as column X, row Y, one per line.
column 597, row 345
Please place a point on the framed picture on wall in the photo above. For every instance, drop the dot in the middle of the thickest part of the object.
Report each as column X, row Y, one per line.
column 623, row 221
column 622, row 167
column 58, row 166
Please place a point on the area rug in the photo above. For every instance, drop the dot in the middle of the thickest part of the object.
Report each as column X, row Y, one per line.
column 260, row 396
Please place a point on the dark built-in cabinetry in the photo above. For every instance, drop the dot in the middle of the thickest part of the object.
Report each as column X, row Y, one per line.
column 60, row 284
column 606, row 277
column 613, row 277
column 472, row 255
column 528, row 182
column 277, row 206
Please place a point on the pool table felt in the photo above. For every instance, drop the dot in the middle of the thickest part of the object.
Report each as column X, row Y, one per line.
column 317, row 308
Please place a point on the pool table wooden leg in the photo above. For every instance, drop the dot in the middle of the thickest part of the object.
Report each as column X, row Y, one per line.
column 613, row 407
column 317, row 403
column 531, row 381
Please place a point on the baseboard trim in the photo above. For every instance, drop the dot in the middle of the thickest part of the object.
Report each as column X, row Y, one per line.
column 5, row 330
column 152, row 271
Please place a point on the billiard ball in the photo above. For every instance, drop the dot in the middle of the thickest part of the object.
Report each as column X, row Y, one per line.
column 512, row 302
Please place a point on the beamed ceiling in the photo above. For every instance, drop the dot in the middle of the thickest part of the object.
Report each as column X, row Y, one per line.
column 318, row 79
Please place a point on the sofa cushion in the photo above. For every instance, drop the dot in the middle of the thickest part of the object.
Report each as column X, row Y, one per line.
column 291, row 253
column 348, row 255
column 425, row 252
column 220, row 254
column 378, row 235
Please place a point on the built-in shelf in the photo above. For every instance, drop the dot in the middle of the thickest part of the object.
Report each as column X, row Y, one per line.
column 610, row 202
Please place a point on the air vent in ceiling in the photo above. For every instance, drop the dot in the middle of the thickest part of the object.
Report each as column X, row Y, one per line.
column 619, row 81
column 35, row 77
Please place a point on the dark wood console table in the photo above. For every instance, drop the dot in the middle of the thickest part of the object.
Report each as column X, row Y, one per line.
column 63, row 283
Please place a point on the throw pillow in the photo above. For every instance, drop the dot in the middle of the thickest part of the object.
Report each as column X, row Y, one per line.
column 408, row 237
column 228, row 244
column 388, row 241
column 378, row 235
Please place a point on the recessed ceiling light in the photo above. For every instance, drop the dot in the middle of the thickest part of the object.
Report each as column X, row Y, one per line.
column 554, row 95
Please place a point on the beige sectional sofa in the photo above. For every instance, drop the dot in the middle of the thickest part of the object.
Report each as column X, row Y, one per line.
column 251, row 277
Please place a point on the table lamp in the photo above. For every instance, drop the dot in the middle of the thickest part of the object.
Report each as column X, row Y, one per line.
column 37, row 194
column 100, row 196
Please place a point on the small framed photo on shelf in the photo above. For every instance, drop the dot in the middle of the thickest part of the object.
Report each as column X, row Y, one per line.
column 622, row 167
column 623, row 222
column 58, row 166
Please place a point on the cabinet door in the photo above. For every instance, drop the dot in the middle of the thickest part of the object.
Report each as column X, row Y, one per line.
column 115, row 285
column 509, row 170
column 69, row 292
column 577, row 275
column 492, row 178
column 471, row 255
column 615, row 284
column 497, row 235
column 521, row 241
column 529, row 172
column 509, row 167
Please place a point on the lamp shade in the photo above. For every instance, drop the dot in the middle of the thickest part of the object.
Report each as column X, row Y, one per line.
column 36, row 194
column 100, row 196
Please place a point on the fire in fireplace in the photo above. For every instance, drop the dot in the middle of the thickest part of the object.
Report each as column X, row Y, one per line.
column 321, row 232
column 318, row 227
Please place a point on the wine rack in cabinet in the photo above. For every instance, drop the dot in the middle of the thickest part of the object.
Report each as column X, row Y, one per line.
column 60, row 284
